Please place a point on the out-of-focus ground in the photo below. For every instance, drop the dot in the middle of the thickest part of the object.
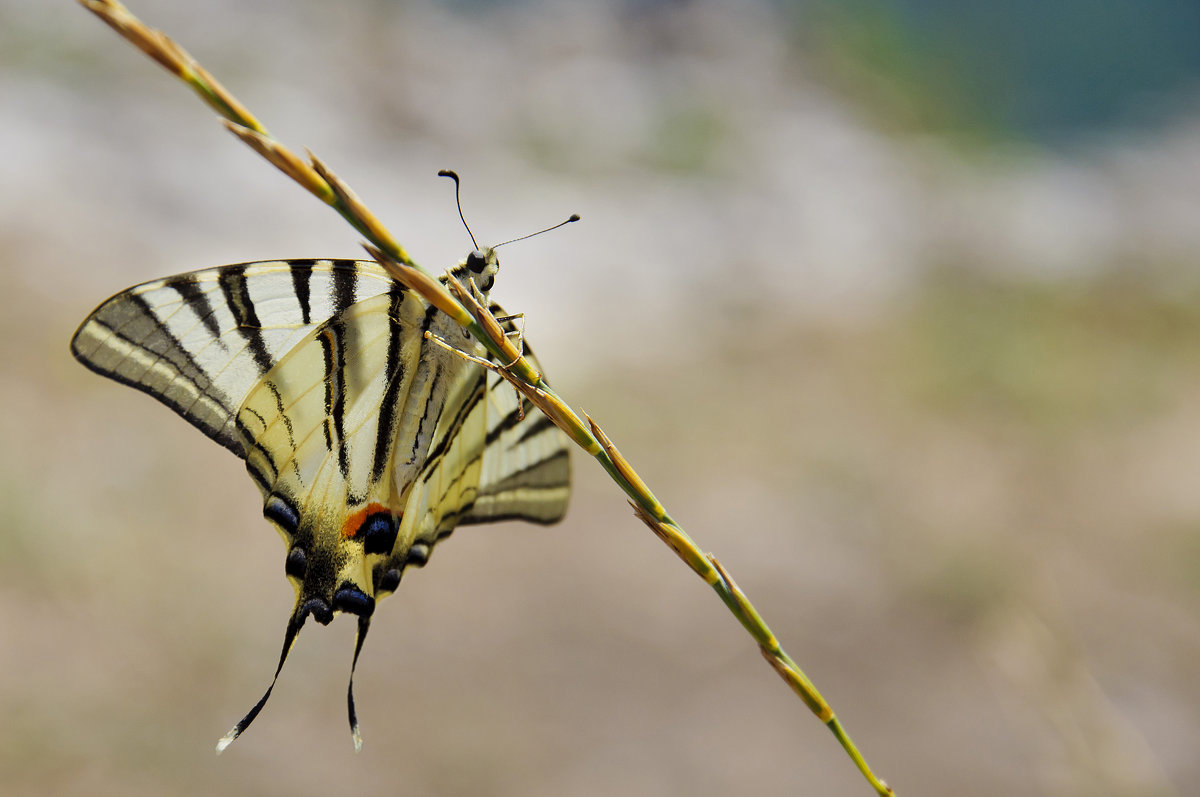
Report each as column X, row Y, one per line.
column 927, row 384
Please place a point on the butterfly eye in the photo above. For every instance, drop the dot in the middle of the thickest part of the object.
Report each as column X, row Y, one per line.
column 297, row 563
column 477, row 261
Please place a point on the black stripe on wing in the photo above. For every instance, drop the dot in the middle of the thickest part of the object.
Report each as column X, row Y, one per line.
column 391, row 396
column 301, row 283
column 237, row 296
column 129, row 346
column 198, row 300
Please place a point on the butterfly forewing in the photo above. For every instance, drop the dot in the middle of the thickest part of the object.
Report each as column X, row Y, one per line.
column 199, row 342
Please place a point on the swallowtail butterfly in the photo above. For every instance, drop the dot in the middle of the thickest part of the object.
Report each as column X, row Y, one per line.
column 369, row 442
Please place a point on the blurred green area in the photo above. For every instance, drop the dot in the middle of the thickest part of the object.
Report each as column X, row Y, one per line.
column 1059, row 358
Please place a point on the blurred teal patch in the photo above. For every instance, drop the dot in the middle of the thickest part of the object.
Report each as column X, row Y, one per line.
column 1049, row 72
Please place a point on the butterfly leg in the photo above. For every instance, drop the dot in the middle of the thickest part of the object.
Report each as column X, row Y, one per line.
column 502, row 370
column 519, row 333
column 445, row 344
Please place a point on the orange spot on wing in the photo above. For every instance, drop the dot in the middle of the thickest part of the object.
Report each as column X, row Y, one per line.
column 354, row 522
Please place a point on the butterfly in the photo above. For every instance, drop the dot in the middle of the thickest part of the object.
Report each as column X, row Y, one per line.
column 368, row 441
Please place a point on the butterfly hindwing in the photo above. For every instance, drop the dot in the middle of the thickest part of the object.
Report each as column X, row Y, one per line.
column 525, row 471
column 330, row 400
column 319, row 430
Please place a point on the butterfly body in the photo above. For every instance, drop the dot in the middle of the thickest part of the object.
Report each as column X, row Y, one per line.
column 368, row 441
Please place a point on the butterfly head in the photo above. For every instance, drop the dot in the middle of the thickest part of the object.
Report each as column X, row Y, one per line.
column 482, row 265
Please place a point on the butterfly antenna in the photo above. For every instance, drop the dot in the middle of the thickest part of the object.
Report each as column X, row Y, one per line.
column 453, row 175
column 574, row 217
column 364, row 624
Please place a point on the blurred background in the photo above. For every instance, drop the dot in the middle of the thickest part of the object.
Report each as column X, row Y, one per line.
column 894, row 303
